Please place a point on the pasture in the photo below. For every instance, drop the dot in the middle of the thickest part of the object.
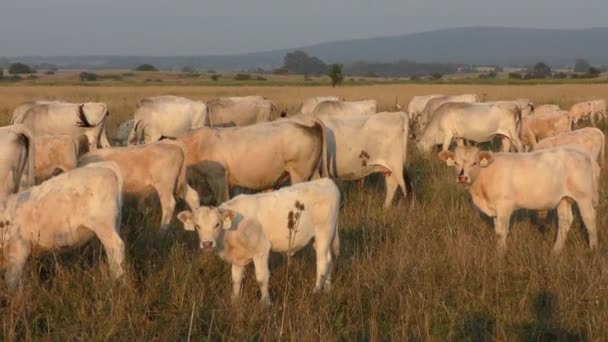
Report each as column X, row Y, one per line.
column 422, row 272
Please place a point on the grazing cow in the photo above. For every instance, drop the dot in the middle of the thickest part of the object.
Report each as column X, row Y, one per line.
column 248, row 227
column 359, row 145
column 417, row 105
column 121, row 137
column 153, row 167
column 543, row 125
column 546, row 108
column 55, row 154
column 240, row 111
column 17, row 155
column 166, row 117
column 309, row 104
column 63, row 212
column 343, row 108
column 588, row 109
column 86, row 119
column 433, row 104
column 257, row 157
column 500, row 183
column 589, row 139
column 478, row 122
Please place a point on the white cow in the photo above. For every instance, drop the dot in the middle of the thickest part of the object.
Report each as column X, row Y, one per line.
column 55, row 154
column 500, row 183
column 240, row 111
column 358, row 145
column 543, row 125
column 433, row 105
column 343, row 108
column 248, row 227
column 546, row 108
column 478, row 122
column 309, row 104
column 76, row 120
column 24, row 107
column 63, row 212
column 588, row 109
column 17, row 159
column 152, row 167
column 418, row 103
column 589, row 139
column 166, row 117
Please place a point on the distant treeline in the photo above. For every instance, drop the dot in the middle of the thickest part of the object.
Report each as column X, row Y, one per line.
column 402, row 68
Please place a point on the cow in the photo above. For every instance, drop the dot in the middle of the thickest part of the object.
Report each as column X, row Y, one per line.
column 55, row 154
column 546, row 108
column 153, row 167
column 240, row 111
column 543, row 125
column 163, row 117
column 257, row 157
column 359, row 145
column 418, row 103
column 248, row 227
column 433, row 104
column 85, row 119
column 500, row 183
column 309, row 104
column 478, row 122
column 63, row 212
column 17, row 155
column 588, row 109
column 121, row 137
column 161, row 98
column 589, row 139
column 343, row 108
column 24, row 107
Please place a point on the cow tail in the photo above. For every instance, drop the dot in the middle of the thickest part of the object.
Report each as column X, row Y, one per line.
column 409, row 187
column 596, row 182
column 324, row 166
column 31, row 157
column 603, row 151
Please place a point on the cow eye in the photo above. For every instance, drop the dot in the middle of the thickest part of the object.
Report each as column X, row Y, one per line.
column 475, row 163
column 217, row 225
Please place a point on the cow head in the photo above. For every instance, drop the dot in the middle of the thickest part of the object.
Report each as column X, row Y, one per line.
column 209, row 223
column 467, row 161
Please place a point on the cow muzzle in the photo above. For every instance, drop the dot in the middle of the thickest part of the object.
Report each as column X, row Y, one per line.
column 464, row 179
column 208, row 246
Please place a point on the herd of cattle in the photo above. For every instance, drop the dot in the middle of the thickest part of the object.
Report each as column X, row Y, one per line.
column 64, row 182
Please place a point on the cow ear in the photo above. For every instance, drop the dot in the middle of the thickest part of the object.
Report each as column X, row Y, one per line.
column 447, row 156
column 227, row 216
column 186, row 218
column 485, row 158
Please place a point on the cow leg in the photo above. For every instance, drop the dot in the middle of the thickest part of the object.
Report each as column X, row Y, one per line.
column 501, row 229
column 588, row 214
column 565, row 218
column 167, row 203
column 114, row 247
column 506, row 143
column 447, row 141
column 294, row 176
column 323, row 255
column 460, row 142
column 393, row 182
column 16, row 254
column 262, row 275
column 237, row 278
column 103, row 138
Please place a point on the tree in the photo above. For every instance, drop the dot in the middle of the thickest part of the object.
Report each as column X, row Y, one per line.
column 594, row 71
column 20, row 68
column 88, row 76
column 335, row 74
column 1, row 72
column 146, row 67
column 298, row 62
column 188, row 69
column 541, row 70
column 581, row 65
column 215, row 77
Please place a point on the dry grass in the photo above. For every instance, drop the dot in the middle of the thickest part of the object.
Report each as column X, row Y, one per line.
column 423, row 273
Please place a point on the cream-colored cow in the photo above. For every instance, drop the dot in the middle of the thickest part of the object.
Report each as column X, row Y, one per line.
column 309, row 104
column 588, row 109
column 55, row 154
column 543, row 125
column 63, row 212
column 589, row 139
column 153, row 167
column 248, row 227
column 344, row 108
column 240, row 111
column 500, row 183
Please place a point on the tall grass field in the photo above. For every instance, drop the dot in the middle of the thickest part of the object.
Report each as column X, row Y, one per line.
column 421, row 272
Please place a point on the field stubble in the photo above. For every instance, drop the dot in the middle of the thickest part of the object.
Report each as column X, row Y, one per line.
column 426, row 272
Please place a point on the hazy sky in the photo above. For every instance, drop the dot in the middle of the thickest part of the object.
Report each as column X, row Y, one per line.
column 202, row 27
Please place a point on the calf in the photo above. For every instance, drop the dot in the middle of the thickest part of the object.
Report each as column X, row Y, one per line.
column 157, row 166
column 543, row 125
column 500, row 183
column 589, row 139
column 63, row 212
column 248, row 227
